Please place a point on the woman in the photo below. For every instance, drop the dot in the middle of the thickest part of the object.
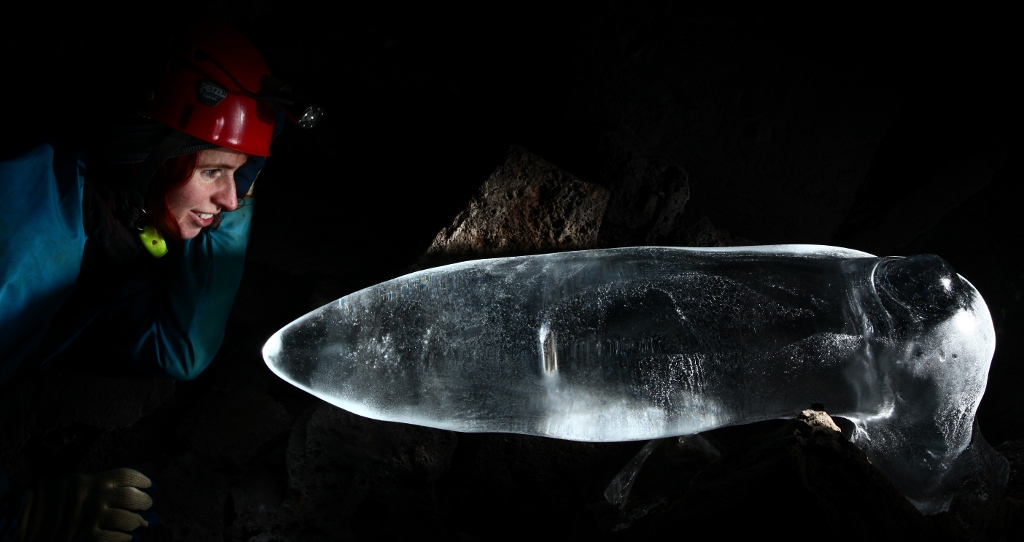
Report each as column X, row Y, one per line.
column 136, row 245
column 144, row 234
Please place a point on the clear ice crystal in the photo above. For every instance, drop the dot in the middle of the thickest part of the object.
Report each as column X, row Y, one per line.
column 652, row 342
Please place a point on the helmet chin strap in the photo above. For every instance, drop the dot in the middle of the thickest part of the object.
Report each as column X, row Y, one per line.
column 148, row 234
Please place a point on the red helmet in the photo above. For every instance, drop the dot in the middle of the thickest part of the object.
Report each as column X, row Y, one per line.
column 212, row 89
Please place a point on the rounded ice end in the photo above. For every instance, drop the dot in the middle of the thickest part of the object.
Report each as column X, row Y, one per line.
column 938, row 370
column 925, row 286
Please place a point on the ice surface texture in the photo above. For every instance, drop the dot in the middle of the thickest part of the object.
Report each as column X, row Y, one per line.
column 649, row 342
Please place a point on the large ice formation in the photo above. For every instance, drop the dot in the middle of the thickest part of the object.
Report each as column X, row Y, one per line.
column 650, row 342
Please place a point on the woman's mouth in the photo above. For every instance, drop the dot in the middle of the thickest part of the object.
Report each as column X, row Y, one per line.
column 203, row 219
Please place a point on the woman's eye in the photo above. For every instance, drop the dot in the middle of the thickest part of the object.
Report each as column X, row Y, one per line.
column 212, row 173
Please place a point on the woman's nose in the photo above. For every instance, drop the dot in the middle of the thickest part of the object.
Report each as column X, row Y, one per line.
column 225, row 196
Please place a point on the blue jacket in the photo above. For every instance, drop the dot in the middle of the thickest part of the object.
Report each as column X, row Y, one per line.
column 171, row 323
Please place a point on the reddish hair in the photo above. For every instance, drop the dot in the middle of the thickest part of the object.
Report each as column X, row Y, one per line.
column 174, row 173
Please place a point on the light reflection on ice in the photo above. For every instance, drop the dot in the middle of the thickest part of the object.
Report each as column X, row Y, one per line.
column 650, row 342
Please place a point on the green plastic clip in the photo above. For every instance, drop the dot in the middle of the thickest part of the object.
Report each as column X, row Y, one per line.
column 153, row 241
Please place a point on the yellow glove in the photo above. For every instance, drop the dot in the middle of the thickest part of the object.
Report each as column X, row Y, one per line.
column 86, row 507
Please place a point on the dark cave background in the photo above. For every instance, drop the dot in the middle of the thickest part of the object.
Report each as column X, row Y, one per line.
column 890, row 132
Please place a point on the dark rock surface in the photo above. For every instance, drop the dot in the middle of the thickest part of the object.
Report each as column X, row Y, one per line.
column 777, row 476
column 894, row 133
column 526, row 206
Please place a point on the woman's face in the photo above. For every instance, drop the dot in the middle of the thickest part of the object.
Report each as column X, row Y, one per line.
column 210, row 190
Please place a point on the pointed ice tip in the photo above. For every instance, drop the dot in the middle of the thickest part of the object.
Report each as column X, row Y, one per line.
column 282, row 359
column 271, row 351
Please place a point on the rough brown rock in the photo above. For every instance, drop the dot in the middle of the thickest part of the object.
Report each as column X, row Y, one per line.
column 528, row 205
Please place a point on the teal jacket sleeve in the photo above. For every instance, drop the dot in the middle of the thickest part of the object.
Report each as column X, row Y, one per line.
column 41, row 246
column 187, row 314
column 170, row 322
